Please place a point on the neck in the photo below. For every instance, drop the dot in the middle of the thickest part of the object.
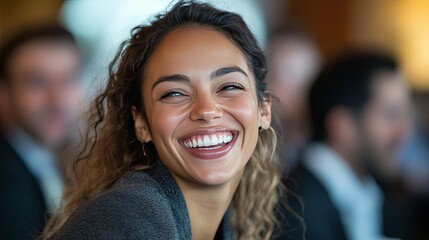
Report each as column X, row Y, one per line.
column 207, row 205
column 353, row 160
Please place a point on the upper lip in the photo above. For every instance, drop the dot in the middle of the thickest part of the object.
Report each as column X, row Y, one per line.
column 208, row 131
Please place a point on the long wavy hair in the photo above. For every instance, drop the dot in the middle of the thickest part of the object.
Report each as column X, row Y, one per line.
column 111, row 147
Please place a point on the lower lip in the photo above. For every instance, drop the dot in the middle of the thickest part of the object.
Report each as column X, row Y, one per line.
column 211, row 153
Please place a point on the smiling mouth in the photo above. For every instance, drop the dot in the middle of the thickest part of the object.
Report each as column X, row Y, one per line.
column 209, row 141
column 210, row 146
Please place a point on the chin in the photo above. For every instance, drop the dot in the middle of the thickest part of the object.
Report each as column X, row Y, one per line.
column 217, row 177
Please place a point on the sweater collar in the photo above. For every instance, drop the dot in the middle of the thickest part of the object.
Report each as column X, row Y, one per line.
column 178, row 204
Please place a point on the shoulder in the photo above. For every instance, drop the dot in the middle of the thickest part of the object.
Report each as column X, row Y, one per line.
column 310, row 199
column 6, row 151
column 309, row 190
column 17, row 183
column 303, row 182
column 135, row 208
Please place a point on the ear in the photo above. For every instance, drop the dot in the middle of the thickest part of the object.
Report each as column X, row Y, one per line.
column 140, row 126
column 265, row 113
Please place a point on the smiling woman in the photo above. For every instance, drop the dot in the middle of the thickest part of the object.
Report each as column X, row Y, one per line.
column 180, row 144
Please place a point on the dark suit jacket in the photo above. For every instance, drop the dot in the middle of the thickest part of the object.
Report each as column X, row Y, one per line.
column 313, row 204
column 22, row 205
column 322, row 218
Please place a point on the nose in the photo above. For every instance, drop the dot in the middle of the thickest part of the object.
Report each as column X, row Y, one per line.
column 205, row 108
column 62, row 96
column 52, row 95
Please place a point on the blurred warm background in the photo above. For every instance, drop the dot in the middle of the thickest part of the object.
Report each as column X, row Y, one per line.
column 327, row 28
column 400, row 26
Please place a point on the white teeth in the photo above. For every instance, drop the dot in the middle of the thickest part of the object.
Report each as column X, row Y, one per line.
column 208, row 140
column 200, row 142
column 214, row 140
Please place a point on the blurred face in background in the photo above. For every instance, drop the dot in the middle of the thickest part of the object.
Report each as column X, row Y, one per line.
column 385, row 122
column 293, row 65
column 43, row 90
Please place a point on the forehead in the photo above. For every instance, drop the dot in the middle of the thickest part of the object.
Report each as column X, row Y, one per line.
column 193, row 51
column 389, row 86
column 43, row 55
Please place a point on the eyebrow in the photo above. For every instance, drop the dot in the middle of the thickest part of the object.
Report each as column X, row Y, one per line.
column 215, row 74
column 226, row 70
column 171, row 78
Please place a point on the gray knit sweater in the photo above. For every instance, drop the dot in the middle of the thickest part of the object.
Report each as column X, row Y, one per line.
column 141, row 205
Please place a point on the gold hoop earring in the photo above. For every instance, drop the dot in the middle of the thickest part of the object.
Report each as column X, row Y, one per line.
column 144, row 149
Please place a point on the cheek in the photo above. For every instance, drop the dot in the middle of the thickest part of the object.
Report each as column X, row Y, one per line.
column 244, row 110
column 165, row 120
column 378, row 131
column 27, row 102
column 74, row 96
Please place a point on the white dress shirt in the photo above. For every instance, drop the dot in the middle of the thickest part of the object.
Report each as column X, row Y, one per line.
column 42, row 164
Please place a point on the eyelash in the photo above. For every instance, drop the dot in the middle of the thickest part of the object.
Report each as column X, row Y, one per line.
column 233, row 85
column 172, row 93
column 226, row 87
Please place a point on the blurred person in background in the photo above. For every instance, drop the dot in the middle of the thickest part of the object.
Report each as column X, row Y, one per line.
column 415, row 153
column 360, row 108
column 414, row 158
column 39, row 92
column 294, row 62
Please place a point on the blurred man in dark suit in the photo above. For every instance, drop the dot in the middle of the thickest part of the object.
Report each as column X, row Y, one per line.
column 360, row 115
column 40, row 94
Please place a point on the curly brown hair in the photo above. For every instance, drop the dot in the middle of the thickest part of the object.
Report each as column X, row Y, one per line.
column 111, row 147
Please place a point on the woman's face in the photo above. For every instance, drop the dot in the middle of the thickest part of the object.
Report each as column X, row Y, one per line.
column 201, row 106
